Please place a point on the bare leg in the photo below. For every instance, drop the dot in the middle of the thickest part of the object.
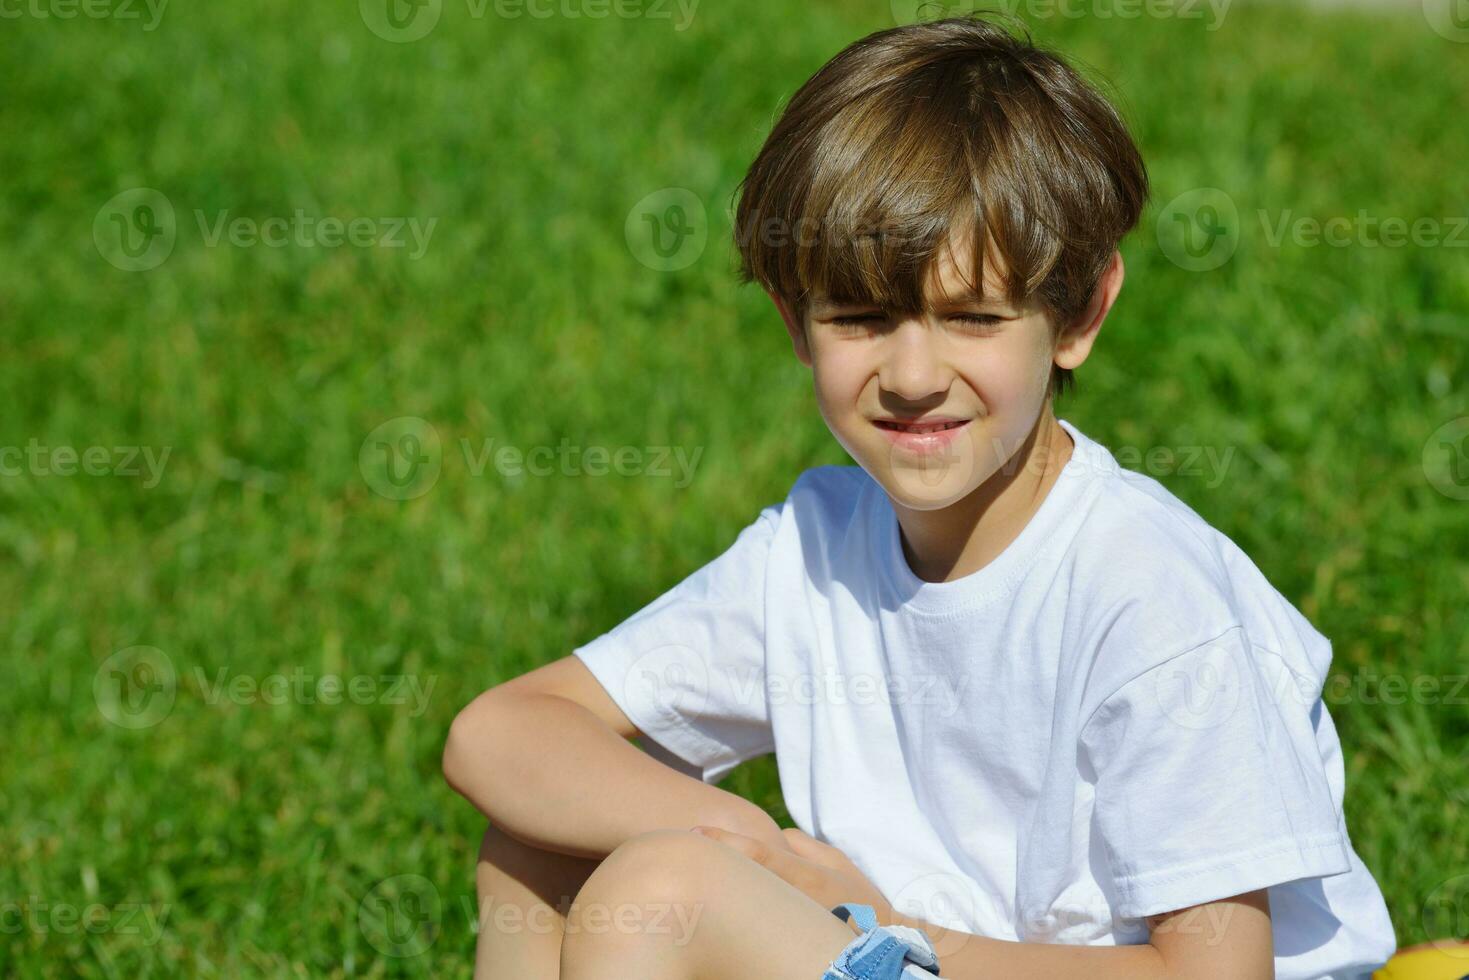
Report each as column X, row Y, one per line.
column 674, row 905
column 523, row 896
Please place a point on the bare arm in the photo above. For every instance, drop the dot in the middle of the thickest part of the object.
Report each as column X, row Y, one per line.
column 1225, row 940
column 546, row 758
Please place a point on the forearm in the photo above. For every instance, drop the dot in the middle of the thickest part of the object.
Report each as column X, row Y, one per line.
column 1229, row 939
column 964, row 956
column 551, row 774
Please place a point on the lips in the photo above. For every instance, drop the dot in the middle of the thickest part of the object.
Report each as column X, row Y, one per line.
column 918, row 427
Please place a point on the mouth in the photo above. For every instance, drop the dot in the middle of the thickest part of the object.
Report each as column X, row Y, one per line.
column 919, row 427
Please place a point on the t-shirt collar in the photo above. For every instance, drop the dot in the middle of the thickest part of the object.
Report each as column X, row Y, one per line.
column 999, row 577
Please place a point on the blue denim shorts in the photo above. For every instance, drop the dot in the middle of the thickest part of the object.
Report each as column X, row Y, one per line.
column 882, row 952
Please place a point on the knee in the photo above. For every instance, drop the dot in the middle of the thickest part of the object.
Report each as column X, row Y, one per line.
column 649, row 881
column 659, row 865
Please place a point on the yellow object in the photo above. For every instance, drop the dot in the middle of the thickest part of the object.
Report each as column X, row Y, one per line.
column 1446, row 959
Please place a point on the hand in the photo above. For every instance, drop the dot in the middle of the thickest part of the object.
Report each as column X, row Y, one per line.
column 822, row 872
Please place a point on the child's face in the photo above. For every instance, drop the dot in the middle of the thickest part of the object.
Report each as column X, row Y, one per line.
column 992, row 373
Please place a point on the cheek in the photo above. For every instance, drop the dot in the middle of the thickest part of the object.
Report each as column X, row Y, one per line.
column 1010, row 375
column 839, row 377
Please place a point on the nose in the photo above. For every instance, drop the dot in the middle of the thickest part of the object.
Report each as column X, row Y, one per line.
column 913, row 365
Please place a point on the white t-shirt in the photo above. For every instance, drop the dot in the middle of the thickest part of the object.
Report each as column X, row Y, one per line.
column 1117, row 716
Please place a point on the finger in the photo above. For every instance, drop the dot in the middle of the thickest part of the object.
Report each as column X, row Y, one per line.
column 787, row 864
column 749, row 846
column 727, row 836
column 808, row 847
column 801, row 842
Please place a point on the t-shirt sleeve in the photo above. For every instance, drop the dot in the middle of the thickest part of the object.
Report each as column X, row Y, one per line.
column 1209, row 779
column 689, row 668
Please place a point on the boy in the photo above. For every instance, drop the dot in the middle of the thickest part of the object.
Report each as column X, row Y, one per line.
column 1021, row 699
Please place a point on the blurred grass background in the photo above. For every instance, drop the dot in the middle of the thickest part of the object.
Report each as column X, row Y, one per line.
column 258, row 831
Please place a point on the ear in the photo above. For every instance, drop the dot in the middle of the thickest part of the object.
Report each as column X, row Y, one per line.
column 794, row 327
column 1074, row 345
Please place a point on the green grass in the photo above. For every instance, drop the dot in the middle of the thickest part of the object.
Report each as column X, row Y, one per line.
column 256, row 829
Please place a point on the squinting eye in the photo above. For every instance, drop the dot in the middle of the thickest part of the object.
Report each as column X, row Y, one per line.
column 977, row 320
column 855, row 323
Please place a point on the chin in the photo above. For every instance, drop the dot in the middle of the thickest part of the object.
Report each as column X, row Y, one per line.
column 933, row 488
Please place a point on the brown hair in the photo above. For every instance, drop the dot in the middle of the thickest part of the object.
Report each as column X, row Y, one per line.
column 918, row 132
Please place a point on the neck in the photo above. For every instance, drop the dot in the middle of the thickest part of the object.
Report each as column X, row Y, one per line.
column 958, row 540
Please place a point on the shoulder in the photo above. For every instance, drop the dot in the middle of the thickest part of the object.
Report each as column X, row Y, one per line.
column 827, row 495
column 1139, row 540
column 832, row 482
column 818, row 509
column 1157, row 581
